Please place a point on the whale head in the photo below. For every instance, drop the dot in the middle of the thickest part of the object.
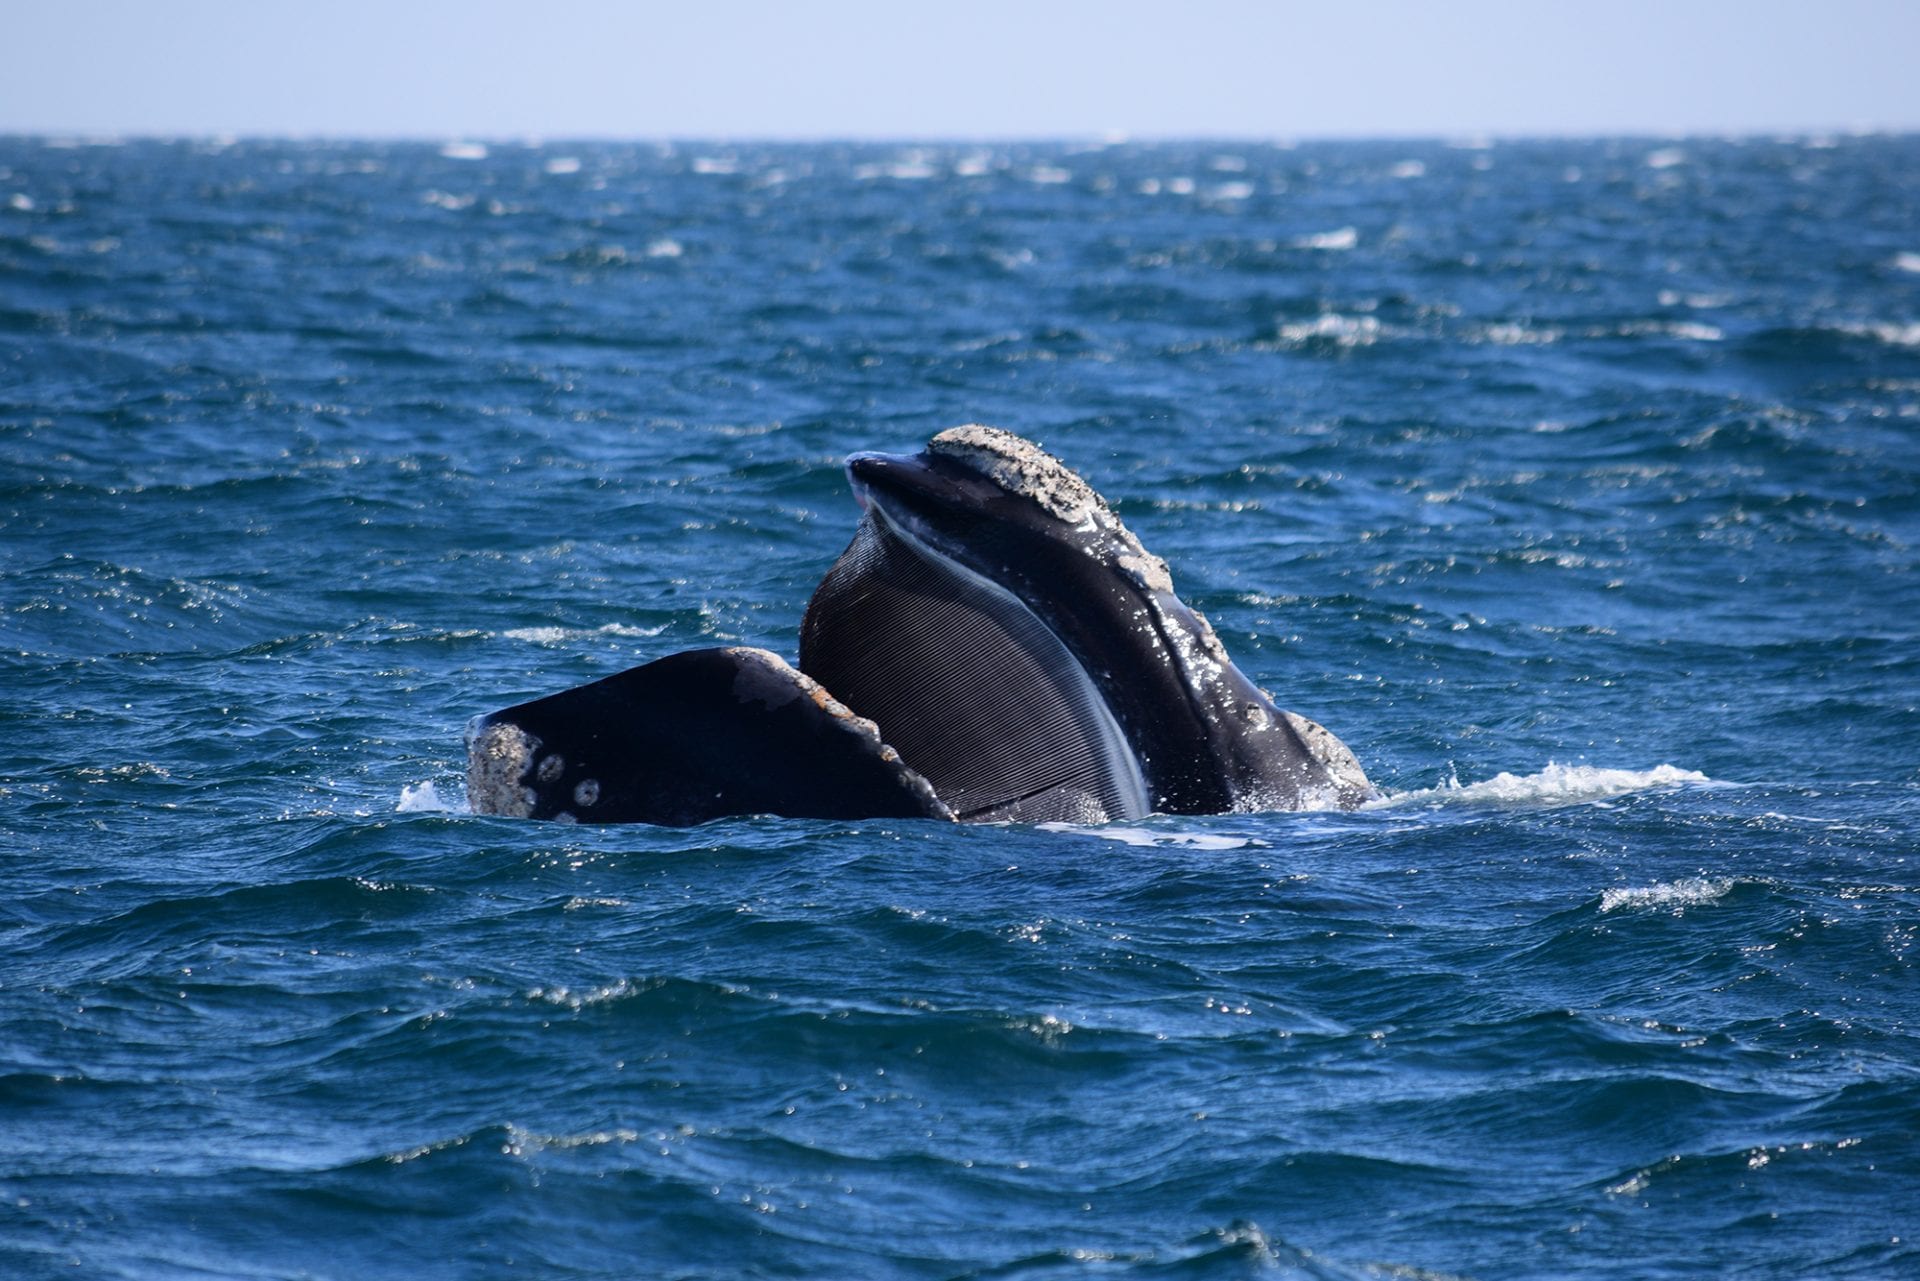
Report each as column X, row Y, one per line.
column 993, row 608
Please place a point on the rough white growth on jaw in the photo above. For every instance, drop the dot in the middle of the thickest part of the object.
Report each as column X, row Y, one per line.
column 497, row 759
column 1021, row 467
column 1330, row 752
column 1146, row 569
column 1209, row 641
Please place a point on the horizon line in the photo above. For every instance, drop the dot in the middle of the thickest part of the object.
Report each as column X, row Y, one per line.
column 1465, row 139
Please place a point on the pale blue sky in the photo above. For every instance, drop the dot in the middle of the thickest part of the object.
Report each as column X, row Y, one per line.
column 980, row 69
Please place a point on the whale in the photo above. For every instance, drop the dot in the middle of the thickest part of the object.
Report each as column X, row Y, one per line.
column 993, row 645
column 1021, row 648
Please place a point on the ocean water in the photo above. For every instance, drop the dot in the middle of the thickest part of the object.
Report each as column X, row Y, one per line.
column 1576, row 485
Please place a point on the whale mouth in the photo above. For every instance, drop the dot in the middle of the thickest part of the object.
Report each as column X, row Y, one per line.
column 886, row 480
column 862, row 493
column 967, row 682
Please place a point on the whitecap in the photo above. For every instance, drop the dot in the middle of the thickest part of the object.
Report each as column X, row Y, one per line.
column 900, row 170
column 425, row 798
column 1689, row 330
column 1342, row 238
column 1688, row 891
column 1665, row 158
column 1232, row 191
column 563, row 165
column 1145, row 836
column 464, row 151
column 912, row 167
column 1906, row 262
column 1894, row 335
column 1049, row 175
column 1555, row 785
column 573, row 999
column 521, row 1141
column 569, row 635
column 715, row 165
column 1510, row 334
column 1408, row 169
column 427, row 1149
column 1342, row 331
column 665, row 247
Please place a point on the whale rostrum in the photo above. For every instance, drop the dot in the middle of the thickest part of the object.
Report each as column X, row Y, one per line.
column 994, row 645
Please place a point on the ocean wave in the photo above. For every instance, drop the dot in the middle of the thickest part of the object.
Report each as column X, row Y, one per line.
column 341, row 459
column 1331, row 329
column 1690, row 891
column 1340, row 239
column 1554, row 785
column 424, row 798
column 1145, row 837
column 550, row 636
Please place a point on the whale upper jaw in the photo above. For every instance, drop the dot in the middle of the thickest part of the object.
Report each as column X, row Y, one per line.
column 1210, row 740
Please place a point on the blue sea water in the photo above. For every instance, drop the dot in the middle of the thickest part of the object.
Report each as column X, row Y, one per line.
column 1576, row 485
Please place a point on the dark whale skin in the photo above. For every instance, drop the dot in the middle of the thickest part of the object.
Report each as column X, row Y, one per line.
column 695, row 736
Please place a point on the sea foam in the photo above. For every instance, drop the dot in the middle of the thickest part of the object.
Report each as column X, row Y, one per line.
column 425, row 798
column 1689, row 891
column 1555, row 785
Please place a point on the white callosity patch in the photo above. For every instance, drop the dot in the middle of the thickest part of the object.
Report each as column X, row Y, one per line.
column 1203, row 629
column 497, row 759
column 1021, row 467
column 1334, row 755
